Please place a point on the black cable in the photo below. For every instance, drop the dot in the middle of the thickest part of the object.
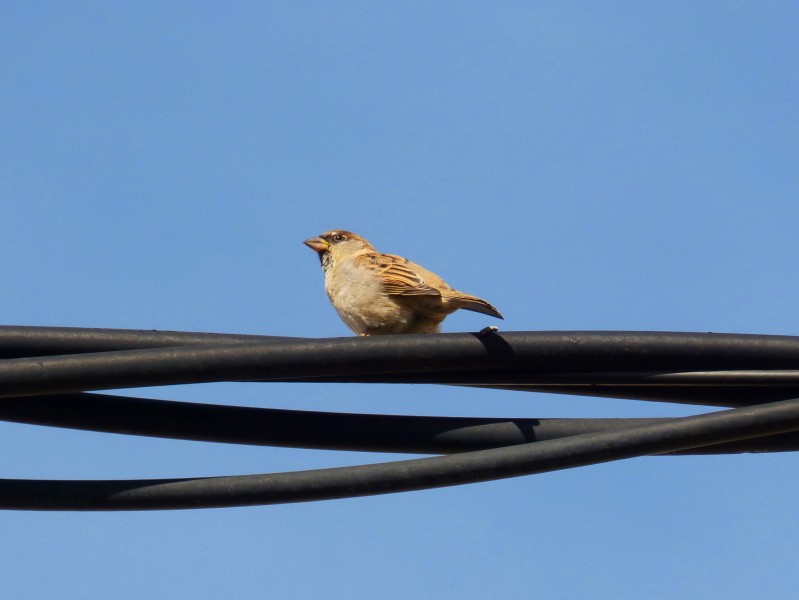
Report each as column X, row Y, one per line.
column 26, row 341
column 324, row 430
column 365, row 480
column 594, row 350
column 726, row 368
column 449, row 358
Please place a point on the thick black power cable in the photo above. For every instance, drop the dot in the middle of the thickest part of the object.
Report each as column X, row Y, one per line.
column 324, row 430
column 17, row 341
column 594, row 350
column 512, row 359
column 365, row 480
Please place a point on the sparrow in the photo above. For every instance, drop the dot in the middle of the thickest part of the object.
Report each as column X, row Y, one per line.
column 379, row 294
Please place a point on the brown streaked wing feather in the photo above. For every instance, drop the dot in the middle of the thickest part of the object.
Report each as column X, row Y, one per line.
column 398, row 278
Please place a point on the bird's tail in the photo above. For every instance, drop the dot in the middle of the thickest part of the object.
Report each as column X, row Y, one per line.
column 476, row 304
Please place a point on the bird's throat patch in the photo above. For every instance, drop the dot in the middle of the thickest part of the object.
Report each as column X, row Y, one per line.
column 326, row 260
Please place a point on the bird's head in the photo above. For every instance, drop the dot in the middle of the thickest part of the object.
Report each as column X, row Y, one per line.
column 337, row 243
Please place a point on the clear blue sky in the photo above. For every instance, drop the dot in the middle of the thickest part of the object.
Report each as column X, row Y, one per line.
column 582, row 165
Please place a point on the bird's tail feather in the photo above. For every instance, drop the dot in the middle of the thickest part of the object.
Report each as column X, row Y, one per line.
column 476, row 304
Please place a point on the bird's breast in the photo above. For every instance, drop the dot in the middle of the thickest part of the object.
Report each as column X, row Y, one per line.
column 357, row 295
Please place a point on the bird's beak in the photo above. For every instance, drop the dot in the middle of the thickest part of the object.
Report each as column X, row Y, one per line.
column 317, row 244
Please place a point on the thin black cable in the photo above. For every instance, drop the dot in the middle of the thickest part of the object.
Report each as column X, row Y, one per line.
column 365, row 480
column 324, row 430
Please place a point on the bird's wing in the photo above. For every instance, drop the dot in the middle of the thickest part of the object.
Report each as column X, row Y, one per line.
column 399, row 279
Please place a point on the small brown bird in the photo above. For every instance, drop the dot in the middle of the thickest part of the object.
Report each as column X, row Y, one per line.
column 378, row 294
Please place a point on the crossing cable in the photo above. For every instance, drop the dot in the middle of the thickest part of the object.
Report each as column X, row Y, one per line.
column 325, row 430
column 406, row 475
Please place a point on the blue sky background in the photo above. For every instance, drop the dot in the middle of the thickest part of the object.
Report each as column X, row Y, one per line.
column 626, row 165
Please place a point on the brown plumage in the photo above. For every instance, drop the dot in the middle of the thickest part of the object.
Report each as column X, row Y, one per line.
column 377, row 294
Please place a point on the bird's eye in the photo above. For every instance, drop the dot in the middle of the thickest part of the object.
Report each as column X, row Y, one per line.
column 338, row 238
